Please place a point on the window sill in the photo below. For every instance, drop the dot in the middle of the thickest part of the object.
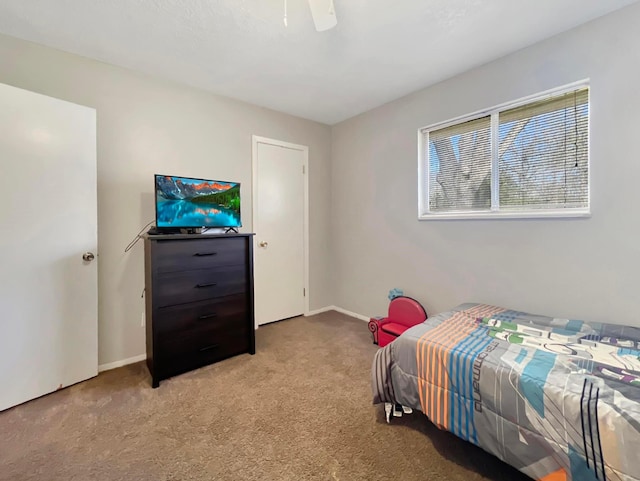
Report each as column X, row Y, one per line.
column 547, row 214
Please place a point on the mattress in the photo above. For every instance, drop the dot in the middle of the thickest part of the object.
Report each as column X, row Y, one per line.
column 558, row 399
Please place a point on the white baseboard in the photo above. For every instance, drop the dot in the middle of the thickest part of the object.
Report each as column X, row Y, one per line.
column 319, row 311
column 340, row 310
column 349, row 313
column 142, row 357
column 123, row 362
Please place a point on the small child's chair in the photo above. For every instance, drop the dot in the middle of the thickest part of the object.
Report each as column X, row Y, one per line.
column 404, row 312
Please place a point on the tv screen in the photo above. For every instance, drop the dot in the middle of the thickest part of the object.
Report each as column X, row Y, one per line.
column 185, row 202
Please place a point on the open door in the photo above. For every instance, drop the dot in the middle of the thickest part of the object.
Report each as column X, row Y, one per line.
column 48, row 217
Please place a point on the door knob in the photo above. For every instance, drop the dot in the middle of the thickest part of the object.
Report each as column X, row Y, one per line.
column 263, row 244
column 88, row 256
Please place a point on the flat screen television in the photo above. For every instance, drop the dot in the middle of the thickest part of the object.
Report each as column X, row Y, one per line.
column 188, row 203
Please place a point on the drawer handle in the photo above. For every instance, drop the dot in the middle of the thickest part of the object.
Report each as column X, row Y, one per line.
column 210, row 284
column 208, row 348
column 208, row 316
column 205, row 254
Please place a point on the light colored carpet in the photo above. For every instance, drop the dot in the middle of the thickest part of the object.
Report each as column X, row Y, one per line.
column 300, row 409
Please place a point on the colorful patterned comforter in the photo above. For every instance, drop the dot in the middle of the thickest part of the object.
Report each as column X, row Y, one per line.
column 558, row 399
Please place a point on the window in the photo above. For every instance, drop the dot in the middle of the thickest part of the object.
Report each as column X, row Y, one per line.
column 524, row 159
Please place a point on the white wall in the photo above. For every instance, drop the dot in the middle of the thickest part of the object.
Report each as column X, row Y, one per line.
column 579, row 268
column 148, row 126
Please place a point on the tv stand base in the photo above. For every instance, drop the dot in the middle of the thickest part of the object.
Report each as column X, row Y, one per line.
column 171, row 230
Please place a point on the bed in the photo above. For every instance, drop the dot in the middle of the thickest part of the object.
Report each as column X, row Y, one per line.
column 557, row 399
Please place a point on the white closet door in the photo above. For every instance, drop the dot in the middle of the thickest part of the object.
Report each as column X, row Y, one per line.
column 48, row 220
column 279, row 226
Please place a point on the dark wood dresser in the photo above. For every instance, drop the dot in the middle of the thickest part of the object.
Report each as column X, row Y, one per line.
column 199, row 301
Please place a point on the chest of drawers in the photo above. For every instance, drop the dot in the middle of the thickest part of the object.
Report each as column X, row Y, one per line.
column 199, row 301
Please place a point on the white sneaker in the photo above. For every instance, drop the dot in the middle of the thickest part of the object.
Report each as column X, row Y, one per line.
column 387, row 411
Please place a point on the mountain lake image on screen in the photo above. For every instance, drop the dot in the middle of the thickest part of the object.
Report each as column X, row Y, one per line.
column 186, row 202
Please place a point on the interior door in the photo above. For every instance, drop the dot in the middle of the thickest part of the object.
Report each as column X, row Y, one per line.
column 48, row 293
column 278, row 220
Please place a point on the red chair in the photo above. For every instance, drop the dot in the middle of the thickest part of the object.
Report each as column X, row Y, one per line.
column 404, row 312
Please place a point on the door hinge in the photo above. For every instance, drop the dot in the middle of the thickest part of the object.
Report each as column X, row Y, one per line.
column 303, row 169
column 304, row 292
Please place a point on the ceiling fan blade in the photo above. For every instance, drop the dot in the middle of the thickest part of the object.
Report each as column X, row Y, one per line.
column 324, row 14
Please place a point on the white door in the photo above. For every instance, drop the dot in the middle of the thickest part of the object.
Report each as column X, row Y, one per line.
column 48, row 293
column 279, row 185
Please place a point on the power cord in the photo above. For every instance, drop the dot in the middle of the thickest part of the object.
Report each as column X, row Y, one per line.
column 137, row 237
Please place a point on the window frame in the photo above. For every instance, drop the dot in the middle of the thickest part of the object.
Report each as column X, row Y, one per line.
column 424, row 212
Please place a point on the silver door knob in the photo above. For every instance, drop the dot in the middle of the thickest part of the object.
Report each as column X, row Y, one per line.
column 263, row 244
column 88, row 256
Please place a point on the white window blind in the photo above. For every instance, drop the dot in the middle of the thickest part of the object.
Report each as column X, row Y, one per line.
column 538, row 165
column 543, row 153
column 461, row 166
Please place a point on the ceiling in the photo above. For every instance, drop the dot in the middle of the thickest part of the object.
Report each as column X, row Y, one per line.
column 380, row 50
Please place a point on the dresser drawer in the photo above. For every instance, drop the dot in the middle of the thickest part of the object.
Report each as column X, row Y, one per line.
column 189, row 353
column 202, row 339
column 179, row 255
column 222, row 313
column 189, row 286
